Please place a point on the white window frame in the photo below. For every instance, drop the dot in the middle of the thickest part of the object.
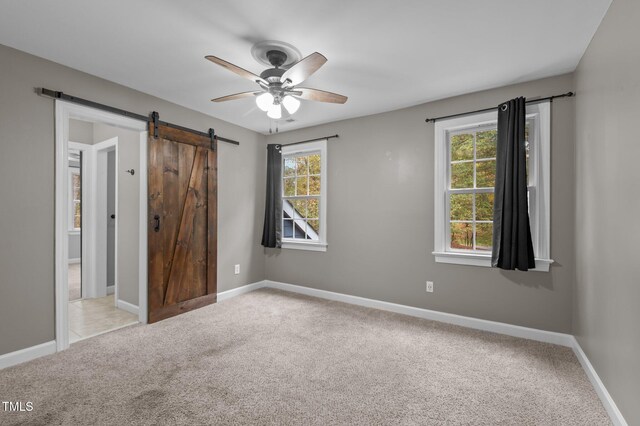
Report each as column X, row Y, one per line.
column 72, row 229
column 539, row 186
column 301, row 149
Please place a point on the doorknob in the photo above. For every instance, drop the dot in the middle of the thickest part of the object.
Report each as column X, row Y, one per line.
column 156, row 227
column 113, row 216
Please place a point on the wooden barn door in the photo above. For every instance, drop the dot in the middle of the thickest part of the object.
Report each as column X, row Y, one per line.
column 182, row 222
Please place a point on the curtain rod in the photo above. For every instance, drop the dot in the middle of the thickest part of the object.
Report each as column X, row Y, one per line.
column 310, row 140
column 63, row 96
column 533, row 101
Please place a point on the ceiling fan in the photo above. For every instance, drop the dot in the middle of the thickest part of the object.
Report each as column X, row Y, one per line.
column 279, row 84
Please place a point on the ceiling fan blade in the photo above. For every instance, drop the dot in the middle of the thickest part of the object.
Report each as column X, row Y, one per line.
column 302, row 69
column 320, row 95
column 236, row 96
column 236, row 69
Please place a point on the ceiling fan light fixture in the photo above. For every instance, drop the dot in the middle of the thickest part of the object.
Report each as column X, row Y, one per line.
column 264, row 101
column 275, row 111
column 291, row 104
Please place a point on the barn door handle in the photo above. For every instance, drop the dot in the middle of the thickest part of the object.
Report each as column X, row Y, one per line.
column 156, row 227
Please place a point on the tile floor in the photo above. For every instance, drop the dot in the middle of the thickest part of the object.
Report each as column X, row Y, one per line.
column 75, row 279
column 90, row 317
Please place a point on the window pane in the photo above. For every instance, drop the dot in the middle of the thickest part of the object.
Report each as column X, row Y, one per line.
column 289, row 166
column 314, row 185
column 462, row 236
column 301, row 165
column 462, row 147
column 484, row 236
column 462, row 175
column 76, row 186
column 484, row 206
column 313, row 208
column 486, row 144
column 314, row 164
column 527, row 159
column 289, row 187
column 287, row 228
column 301, row 178
column 300, row 207
column 461, row 206
column 77, row 215
column 486, row 174
column 313, row 229
column 299, row 228
column 301, row 185
column 529, row 128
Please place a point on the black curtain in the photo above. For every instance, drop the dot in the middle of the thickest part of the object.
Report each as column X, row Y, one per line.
column 272, row 231
column 512, row 246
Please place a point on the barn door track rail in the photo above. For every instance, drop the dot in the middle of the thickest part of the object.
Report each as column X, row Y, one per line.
column 154, row 117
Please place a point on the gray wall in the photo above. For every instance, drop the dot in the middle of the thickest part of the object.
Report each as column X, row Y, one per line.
column 128, row 207
column 111, row 223
column 383, row 165
column 81, row 131
column 606, row 313
column 27, row 208
column 75, row 247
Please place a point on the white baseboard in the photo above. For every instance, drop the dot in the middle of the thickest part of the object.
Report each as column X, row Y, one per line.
column 240, row 290
column 111, row 289
column 27, row 354
column 126, row 306
column 476, row 323
column 72, row 261
column 612, row 409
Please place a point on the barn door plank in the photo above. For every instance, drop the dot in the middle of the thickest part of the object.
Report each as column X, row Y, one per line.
column 178, row 265
column 212, row 222
column 187, row 153
column 199, row 246
column 171, row 203
column 156, row 289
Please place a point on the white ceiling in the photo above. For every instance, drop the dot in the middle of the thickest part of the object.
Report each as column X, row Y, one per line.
column 383, row 55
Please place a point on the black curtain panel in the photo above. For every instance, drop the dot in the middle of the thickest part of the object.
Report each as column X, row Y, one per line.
column 512, row 245
column 272, row 231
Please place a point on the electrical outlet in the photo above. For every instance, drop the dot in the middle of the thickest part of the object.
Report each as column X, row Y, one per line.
column 429, row 286
column 236, row 270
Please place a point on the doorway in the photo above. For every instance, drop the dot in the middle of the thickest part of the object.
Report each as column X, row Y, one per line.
column 101, row 263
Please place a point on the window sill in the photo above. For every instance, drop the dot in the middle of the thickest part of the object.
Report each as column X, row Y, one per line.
column 304, row 246
column 474, row 259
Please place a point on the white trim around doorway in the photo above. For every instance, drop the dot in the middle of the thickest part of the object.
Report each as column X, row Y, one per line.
column 63, row 112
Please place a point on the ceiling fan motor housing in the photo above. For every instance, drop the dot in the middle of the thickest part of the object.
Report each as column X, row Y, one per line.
column 276, row 57
column 272, row 75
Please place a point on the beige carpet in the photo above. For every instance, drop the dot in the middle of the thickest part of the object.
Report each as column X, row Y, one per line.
column 271, row 357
